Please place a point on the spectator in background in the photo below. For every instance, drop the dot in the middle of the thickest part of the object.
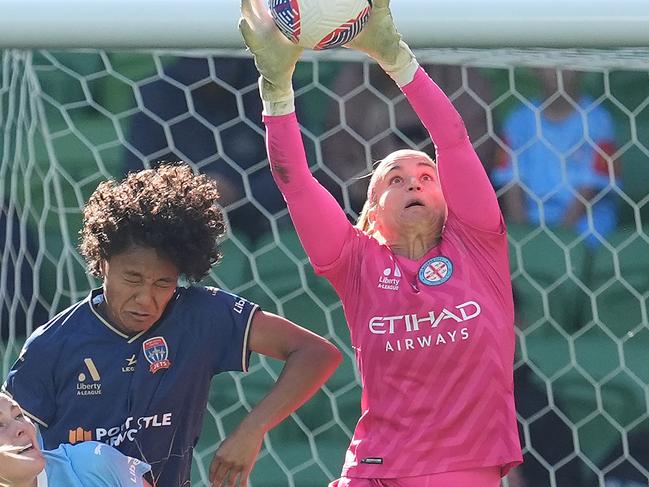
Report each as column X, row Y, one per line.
column 18, row 304
column 557, row 168
column 191, row 112
column 368, row 116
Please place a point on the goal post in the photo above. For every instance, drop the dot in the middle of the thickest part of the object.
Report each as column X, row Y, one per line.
column 209, row 23
column 107, row 103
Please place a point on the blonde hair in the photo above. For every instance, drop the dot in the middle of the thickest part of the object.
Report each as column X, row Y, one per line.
column 363, row 222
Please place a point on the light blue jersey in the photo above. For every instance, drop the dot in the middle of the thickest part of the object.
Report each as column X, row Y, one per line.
column 91, row 464
column 553, row 160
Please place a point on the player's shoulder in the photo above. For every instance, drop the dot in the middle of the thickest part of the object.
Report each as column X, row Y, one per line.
column 85, row 451
column 207, row 296
column 91, row 460
column 67, row 322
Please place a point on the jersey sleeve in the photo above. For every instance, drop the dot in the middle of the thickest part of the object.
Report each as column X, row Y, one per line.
column 100, row 465
column 30, row 381
column 232, row 317
column 319, row 220
column 466, row 187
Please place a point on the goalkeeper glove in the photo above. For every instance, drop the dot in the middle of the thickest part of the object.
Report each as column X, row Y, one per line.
column 381, row 41
column 275, row 57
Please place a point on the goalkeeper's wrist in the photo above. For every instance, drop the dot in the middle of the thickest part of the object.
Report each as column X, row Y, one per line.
column 404, row 75
column 276, row 100
column 403, row 69
column 278, row 107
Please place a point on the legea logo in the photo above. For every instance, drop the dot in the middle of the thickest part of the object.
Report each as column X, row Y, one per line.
column 131, row 362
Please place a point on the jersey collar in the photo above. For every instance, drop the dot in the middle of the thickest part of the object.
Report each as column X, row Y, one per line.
column 96, row 296
column 41, row 480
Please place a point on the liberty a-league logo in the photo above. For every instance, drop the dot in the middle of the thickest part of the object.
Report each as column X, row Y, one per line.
column 89, row 380
column 390, row 278
column 156, row 352
column 435, row 271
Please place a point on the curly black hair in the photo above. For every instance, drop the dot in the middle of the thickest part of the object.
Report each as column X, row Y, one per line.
column 169, row 209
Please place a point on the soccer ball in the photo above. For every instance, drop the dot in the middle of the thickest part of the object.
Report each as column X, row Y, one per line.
column 320, row 24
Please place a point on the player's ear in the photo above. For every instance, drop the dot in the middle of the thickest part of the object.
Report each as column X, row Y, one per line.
column 103, row 267
column 371, row 218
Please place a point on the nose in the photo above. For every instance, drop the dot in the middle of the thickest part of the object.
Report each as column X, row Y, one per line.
column 144, row 297
column 20, row 428
column 414, row 184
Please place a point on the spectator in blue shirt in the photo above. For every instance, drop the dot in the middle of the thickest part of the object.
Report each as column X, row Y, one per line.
column 558, row 169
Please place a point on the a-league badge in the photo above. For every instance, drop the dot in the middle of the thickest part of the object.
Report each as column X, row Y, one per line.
column 157, row 353
column 435, row 271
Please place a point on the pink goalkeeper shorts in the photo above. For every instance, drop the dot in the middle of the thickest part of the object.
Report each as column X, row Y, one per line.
column 479, row 477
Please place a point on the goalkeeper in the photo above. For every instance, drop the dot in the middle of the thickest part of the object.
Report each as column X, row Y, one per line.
column 423, row 278
column 131, row 364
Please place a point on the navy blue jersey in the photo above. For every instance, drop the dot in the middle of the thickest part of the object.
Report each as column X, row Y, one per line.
column 81, row 379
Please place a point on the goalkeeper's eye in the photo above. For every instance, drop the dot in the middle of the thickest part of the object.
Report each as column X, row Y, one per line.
column 396, row 180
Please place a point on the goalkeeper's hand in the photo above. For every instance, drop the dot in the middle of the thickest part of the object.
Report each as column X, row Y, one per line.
column 380, row 40
column 275, row 56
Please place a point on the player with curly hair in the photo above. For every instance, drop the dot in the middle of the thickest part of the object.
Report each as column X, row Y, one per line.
column 131, row 364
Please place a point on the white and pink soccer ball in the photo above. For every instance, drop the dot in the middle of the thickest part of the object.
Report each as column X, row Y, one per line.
column 320, row 24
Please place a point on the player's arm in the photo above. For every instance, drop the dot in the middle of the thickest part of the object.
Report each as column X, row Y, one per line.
column 320, row 222
column 465, row 184
column 309, row 361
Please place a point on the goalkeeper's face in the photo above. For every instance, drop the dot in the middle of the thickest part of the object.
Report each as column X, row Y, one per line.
column 138, row 284
column 407, row 196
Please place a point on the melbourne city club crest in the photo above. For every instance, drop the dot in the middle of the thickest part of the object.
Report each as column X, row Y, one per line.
column 156, row 353
column 435, row 271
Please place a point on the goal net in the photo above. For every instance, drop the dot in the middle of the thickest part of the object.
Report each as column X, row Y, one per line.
column 72, row 118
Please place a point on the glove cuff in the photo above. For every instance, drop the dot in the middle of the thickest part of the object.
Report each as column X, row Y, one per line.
column 276, row 100
column 403, row 69
column 406, row 74
column 278, row 107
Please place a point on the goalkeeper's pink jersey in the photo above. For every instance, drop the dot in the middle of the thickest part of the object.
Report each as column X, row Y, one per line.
column 434, row 337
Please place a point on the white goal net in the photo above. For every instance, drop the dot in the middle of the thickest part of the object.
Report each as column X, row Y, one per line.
column 72, row 118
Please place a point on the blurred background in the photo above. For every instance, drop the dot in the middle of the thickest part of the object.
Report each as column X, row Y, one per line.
column 565, row 140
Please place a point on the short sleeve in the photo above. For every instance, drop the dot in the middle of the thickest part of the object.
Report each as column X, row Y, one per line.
column 101, row 465
column 232, row 317
column 30, row 381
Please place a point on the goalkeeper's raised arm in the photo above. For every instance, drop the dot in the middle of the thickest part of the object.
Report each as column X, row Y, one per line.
column 423, row 278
